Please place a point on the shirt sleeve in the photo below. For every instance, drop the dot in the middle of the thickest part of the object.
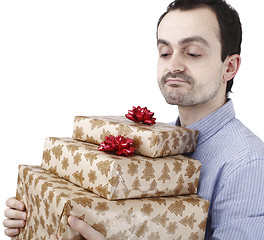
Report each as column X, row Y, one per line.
column 238, row 208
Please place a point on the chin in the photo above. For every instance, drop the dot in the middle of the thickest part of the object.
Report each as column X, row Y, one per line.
column 180, row 100
column 175, row 97
column 173, row 101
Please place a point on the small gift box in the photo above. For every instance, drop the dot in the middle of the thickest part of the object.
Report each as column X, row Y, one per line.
column 117, row 177
column 50, row 200
column 149, row 140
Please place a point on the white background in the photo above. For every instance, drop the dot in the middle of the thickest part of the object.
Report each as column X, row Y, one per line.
column 64, row 58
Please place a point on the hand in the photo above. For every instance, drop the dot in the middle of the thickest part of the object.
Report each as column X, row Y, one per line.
column 16, row 217
column 83, row 228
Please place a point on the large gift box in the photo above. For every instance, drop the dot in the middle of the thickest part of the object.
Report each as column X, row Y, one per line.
column 149, row 140
column 50, row 200
column 117, row 177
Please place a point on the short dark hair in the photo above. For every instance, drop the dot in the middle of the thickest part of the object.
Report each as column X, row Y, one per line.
column 228, row 20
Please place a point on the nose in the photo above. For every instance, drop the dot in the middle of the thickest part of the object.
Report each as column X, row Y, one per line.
column 175, row 64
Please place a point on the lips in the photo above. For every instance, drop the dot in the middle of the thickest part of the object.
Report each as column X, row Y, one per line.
column 175, row 81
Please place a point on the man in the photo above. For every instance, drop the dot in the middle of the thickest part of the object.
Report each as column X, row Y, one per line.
column 199, row 46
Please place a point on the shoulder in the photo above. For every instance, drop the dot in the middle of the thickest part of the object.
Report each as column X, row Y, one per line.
column 237, row 145
column 242, row 140
column 229, row 147
column 227, row 153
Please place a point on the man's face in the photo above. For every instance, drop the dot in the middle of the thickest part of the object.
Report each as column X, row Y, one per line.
column 190, row 70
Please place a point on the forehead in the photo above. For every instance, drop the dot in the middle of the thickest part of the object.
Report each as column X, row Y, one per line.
column 178, row 25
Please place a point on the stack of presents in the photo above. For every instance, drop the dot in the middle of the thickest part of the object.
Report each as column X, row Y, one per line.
column 149, row 195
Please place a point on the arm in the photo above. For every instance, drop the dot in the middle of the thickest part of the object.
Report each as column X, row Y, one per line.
column 238, row 206
column 83, row 228
column 16, row 216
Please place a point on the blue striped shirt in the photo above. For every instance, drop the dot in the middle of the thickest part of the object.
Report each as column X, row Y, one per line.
column 232, row 176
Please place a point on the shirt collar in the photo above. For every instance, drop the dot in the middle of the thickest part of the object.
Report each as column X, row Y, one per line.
column 213, row 122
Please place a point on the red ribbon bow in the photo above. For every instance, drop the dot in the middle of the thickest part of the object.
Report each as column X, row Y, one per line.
column 141, row 115
column 119, row 145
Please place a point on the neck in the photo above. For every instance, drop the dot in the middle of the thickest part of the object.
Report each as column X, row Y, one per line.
column 191, row 114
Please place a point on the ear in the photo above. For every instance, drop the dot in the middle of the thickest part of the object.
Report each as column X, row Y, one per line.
column 232, row 64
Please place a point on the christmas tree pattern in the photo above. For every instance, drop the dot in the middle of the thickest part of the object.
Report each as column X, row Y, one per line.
column 153, row 139
column 104, row 134
column 114, row 181
column 123, row 130
column 177, row 208
column 90, row 140
column 180, row 185
column 101, row 227
column 84, row 201
column 136, row 184
column 96, row 123
column 161, row 219
column 73, row 148
column 102, row 190
column 148, row 171
column 202, row 225
column 165, row 176
column 188, row 221
column 153, row 187
column 78, row 175
column 127, row 215
column 104, row 167
column 90, row 156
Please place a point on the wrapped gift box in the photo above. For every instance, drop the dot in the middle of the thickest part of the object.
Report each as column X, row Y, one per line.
column 50, row 200
column 149, row 140
column 117, row 177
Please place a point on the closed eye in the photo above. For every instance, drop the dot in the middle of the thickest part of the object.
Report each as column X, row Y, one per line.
column 164, row 55
column 194, row 55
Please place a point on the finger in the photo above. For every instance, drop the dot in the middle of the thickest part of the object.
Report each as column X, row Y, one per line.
column 15, row 214
column 53, row 237
column 11, row 232
column 9, row 223
column 84, row 229
column 14, row 203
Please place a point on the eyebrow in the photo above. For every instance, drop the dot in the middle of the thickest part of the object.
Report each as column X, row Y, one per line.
column 186, row 40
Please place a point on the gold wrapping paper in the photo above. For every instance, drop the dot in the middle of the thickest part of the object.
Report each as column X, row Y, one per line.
column 117, row 177
column 50, row 200
column 149, row 140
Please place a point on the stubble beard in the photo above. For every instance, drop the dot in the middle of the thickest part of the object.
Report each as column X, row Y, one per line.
column 175, row 97
column 173, row 94
column 196, row 95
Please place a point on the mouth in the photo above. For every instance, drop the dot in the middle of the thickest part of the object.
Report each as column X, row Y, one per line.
column 175, row 81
